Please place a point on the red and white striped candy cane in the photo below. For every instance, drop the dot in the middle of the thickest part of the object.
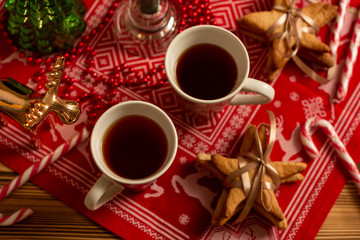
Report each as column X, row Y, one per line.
column 37, row 167
column 337, row 27
column 335, row 34
column 343, row 84
column 15, row 217
column 339, row 147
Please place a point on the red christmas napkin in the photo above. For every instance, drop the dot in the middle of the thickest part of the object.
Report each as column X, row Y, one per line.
column 180, row 203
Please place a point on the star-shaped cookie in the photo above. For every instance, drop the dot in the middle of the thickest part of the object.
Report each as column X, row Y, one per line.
column 232, row 200
column 257, row 24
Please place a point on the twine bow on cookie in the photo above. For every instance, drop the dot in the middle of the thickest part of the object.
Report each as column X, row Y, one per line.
column 293, row 29
column 261, row 162
column 292, row 19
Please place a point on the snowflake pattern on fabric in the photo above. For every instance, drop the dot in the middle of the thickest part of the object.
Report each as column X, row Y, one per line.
column 294, row 96
column 73, row 94
column 124, row 98
column 184, row 219
column 222, row 145
column 277, row 104
column 101, row 10
column 88, row 81
column 229, row 133
column 75, row 73
column 188, row 141
column 292, row 79
column 236, row 121
column 183, row 160
column 93, row 21
column 201, row 147
column 100, row 88
column 314, row 107
column 244, row 110
column 117, row 96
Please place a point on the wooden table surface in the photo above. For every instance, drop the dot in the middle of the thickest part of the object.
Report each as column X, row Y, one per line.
column 54, row 220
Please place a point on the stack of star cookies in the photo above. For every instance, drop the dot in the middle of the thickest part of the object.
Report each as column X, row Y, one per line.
column 311, row 49
column 233, row 199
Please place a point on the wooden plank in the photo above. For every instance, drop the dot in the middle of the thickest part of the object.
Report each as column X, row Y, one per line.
column 52, row 218
column 55, row 220
column 343, row 221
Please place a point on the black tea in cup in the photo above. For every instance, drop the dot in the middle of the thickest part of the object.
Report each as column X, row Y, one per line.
column 206, row 71
column 135, row 147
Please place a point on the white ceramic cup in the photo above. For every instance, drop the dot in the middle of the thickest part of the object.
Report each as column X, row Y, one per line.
column 110, row 184
column 225, row 39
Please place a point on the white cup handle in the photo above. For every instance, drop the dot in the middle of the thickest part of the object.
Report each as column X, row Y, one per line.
column 265, row 93
column 103, row 190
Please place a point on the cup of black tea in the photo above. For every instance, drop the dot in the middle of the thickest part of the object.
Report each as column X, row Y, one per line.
column 133, row 143
column 208, row 67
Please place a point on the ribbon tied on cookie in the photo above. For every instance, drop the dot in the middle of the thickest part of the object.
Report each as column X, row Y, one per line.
column 293, row 28
column 257, row 161
column 292, row 32
column 251, row 180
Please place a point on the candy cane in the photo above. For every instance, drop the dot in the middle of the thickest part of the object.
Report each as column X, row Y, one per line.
column 337, row 27
column 336, row 32
column 37, row 167
column 15, row 217
column 343, row 84
column 339, row 147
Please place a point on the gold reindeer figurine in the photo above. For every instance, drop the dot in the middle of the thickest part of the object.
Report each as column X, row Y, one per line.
column 30, row 112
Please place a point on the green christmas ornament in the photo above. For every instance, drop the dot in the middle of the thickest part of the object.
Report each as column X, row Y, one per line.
column 45, row 26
